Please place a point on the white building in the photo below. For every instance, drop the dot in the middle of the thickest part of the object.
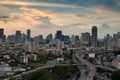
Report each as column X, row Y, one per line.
column 24, row 59
column 60, row 59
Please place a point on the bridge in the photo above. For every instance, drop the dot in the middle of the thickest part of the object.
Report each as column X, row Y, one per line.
column 106, row 68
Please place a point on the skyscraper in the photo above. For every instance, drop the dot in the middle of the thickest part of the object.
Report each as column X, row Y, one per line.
column 1, row 32
column 41, row 40
column 2, row 36
column 59, row 35
column 18, row 37
column 76, row 38
column 94, row 36
column 28, row 35
column 85, row 39
column 49, row 38
column 11, row 39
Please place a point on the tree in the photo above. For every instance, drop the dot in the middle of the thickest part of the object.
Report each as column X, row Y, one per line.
column 116, row 75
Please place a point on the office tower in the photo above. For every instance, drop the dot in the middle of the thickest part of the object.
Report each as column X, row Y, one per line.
column 76, row 38
column 94, row 36
column 36, row 40
column 24, row 38
column 1, row 32
column 59, row 35
column 2, row 36
column 107, row 40
column 60, row 44
column 49, row 38
column 28, row 35
column 66, row 39
column 100, row 43
column 41, row 39
column 85, row 39
column 11, row 39
column 18, row 37
column 72, row 39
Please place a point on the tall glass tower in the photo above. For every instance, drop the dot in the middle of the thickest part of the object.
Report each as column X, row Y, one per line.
column 94, row 36
column 28, row 35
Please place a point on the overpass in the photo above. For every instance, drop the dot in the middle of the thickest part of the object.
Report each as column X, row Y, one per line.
column 40, row 68
column 106, row 68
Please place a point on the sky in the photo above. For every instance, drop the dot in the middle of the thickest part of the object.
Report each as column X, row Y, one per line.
column 70, row 16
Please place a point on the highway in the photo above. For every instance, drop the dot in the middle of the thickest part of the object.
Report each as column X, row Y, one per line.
column 107, row 68
column 82, row 71
column 39, row 68
column 91, row 67
column 30, row 71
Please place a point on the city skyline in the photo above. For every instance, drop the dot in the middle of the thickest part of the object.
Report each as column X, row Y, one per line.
column 72, row 17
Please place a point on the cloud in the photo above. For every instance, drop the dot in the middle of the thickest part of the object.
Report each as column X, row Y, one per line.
column 102, row 17
column 81, row 26
column 9, row 18
column 46, row 22
column 43, row 13
column 83, row 16
column 101, row 10
column 105, row 26
column 25, row 3
column 28, row 18
column 118, row 4
column 3, row 7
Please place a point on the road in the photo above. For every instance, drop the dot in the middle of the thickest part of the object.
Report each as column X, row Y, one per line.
column 107, row 68
column 82, row 71
column 91, row 67
column 39, row 68
column 30, row 71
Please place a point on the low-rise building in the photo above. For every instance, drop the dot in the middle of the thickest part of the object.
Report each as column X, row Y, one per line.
column 4, row 68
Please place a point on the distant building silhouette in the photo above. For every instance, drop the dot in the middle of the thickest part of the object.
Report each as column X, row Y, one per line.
column 85, row 39
column 18, row 37
column 2, row 36
column 49, row 38
column 59, row 35
column 94, row 36
column 28, row 35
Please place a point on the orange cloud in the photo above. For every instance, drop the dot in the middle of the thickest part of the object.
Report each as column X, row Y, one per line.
column 29, row 18
column 42, row 13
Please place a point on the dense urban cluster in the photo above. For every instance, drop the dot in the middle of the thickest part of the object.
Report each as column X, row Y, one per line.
column 22, row 54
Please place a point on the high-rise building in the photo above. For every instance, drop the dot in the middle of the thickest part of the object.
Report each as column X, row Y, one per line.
column 1, row 32
column 66, row 39
column 28, row 35
column 76, row 38
column 85, row 39
column 49, row 38
column 11, row 39
column 59, row 35
column 72, row 39
column 41, row 40
column 24, row 38
column 94, row 36
column 2, row 36
column 18, row 37
column 36, row 40
column 107, row 40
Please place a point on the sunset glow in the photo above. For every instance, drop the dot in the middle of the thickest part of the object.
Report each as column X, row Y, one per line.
column 52, row 15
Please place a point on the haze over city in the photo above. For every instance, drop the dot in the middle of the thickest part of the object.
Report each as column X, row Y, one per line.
column 59, row 39
column 70, row 16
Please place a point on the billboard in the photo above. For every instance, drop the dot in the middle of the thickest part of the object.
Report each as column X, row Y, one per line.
column 91, row 55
